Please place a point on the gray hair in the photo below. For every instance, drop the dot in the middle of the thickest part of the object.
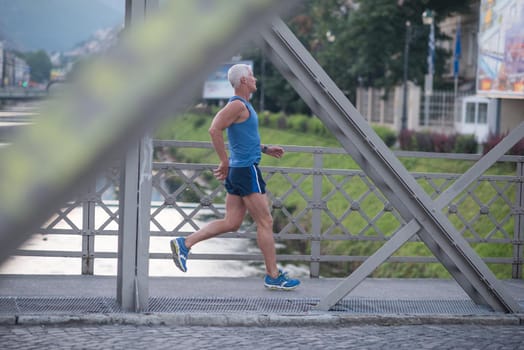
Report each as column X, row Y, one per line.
column 236, row 72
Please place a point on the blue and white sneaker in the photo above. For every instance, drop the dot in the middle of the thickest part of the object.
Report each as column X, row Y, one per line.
column 180, row 251
column 282, row 282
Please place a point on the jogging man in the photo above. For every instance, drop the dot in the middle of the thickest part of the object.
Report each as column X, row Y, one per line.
column 243, row 180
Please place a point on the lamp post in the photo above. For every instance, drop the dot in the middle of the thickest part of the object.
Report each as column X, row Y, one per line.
column 262, row 87
column 428, row 19
column 404, row 120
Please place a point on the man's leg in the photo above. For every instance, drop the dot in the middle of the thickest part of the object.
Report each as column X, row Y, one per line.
column 257, row 205
column 235, row 212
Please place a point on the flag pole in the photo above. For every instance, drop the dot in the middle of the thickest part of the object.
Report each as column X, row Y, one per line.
column 456, row 85
column 456, row 56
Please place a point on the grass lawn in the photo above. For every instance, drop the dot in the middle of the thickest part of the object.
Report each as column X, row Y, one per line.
column 337, row 188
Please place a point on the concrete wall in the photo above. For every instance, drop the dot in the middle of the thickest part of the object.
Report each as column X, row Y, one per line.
column 511, row 114
column 373, row 108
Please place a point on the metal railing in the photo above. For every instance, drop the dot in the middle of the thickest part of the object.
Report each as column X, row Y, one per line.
column 305, row 203
column 20, row 93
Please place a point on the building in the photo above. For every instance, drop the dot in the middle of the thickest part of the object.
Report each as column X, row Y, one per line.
column 14, row 71
column 487, row 68
column 490, row 58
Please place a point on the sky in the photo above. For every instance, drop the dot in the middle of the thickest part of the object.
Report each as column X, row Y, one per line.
column 118, row 5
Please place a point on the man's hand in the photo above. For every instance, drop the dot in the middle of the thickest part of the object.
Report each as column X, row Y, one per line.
column 221, row 171
column 275, row 151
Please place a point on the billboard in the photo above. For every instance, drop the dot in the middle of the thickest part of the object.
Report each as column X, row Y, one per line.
column 500, row 69
column 217, row 86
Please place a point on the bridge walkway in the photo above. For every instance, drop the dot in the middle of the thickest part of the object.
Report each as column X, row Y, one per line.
column 244, row 301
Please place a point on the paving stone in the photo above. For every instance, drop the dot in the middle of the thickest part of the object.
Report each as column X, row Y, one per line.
column 119, row 336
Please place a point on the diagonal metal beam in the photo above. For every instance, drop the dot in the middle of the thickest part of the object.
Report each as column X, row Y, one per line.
column 156, row 71
column 400, row 237
column 369, row 265
column 481, row 166
column 378, row 162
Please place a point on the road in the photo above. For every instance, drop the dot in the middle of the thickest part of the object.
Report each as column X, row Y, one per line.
column 116, row 336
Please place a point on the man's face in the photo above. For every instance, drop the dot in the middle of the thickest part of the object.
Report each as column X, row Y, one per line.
column 251, row 82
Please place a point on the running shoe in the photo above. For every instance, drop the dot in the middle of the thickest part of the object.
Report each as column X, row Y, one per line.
column 282, row 282
column 180, row 251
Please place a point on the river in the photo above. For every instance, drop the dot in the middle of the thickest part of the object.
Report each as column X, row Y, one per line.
column 104, row 243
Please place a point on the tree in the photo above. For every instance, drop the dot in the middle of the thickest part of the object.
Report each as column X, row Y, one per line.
column 361, row 43
column 279, row 95
column 40, row 65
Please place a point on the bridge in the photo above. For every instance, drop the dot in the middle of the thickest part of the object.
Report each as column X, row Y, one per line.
column 93, row 215
column 77, row 141
column 22, row 94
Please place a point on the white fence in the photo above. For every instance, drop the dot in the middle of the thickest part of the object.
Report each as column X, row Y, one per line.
column 385, row 108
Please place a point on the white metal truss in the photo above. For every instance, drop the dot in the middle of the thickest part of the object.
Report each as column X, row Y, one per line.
column 424, row 216
column 151, row 74
column 84, row 122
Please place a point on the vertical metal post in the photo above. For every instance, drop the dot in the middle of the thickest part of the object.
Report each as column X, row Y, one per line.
column 428, row 18
column 127, row 230
column 4, row 64
column 88, row 230
column 316, row 217
column 133, row 228
column 518, row 235
column 427, row 99
column 144, row 219
column 404, row 121
column 134, row 205
column 382, row 112
column 263, row 87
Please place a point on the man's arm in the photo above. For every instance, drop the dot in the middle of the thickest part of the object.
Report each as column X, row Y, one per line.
column 273, row 151
column 224, row 118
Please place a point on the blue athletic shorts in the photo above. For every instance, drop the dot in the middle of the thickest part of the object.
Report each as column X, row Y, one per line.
column 244, row 181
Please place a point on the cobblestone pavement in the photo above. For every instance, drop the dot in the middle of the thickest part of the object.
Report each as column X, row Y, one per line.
column 470, row 337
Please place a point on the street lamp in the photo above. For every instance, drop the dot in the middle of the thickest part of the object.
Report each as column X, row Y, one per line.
column 404, row 120
column 428, row 19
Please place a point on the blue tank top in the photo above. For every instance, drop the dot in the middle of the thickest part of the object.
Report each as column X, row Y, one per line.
column 244, row 139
